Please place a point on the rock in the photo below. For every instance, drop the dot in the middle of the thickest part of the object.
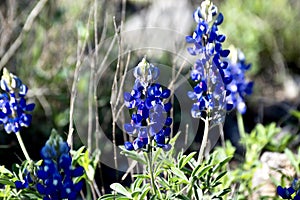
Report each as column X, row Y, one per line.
column 273, row 165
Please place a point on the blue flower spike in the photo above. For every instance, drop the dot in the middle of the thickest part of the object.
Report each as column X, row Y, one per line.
column 208, row 72
column 219, row 76
column 239, row 87
column 14, row 109
column 56, row 174
column 150, row 120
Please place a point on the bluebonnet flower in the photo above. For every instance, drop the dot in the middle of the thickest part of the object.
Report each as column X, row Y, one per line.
column 239, row 87
column 150, row 120
column 292, row 192
column 209, row 70
column 13, row 106
column 56, row 174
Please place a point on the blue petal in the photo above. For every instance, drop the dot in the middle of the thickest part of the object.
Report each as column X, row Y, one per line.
column 212, row 36
column 191, row 51
column 137, row 144
column 137, row 118
column 42, row 174
column 25, row 119
column 219, row 19
column 224, row 53
column 127, row 96
column 229, row 106
column 129, row 128
column 168, row 106
column 78, row 186
column 19, row 185
column 166, row 93
column 189, row 39
column 65, row 161
column 160, row 140
column 30, row 107
column 41, row 189
column 221, row 38
column 167, row 147
column 78, row 171
column 128, row 146
column 23, row 90
column 167, row 131
column 218, row 47
column 168, row 121
column 22, row 103
column 64, row 148
column 192, row 95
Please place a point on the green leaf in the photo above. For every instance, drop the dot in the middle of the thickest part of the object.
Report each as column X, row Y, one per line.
column 202, row 170
column 220, row 176
column 3, row 170
column 120, row 189
column 133, row 155
column 137, row 183
column 144, row 192
column 292, row 158
column 182, row 197
column 7, row 181
column 221, row 164
column 187, row 159
column 295, row 113
column 108, row 197
column 179, row 174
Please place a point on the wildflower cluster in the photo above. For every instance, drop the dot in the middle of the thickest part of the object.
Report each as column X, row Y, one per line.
column 56, row 173
column 13, row 106
column 239, row 87
column 209, row 70
column 150, row 119
column 292, row 192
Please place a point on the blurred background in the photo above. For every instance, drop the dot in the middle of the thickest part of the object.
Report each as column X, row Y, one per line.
column 63, row 32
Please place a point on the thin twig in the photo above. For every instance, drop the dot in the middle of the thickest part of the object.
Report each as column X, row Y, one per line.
column 80, row 53
column 114, row 92
column 26, row 28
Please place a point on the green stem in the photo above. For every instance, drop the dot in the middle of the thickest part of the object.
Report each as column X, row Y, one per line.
column 23, row 146
column 151, row 173
column 204, row 140
column 240, row 123
column 150, row 167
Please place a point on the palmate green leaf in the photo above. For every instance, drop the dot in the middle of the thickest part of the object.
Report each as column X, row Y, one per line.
column 120, row 189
